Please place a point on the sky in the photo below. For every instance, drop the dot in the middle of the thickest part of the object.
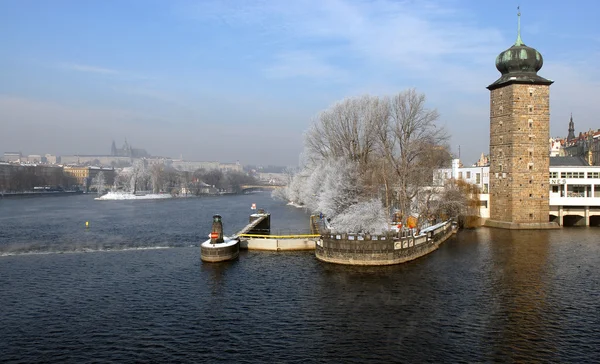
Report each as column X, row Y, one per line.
column 242, row 80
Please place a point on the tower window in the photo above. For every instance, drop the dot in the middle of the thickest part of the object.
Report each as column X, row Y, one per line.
column 530, row 107
column 530, row 123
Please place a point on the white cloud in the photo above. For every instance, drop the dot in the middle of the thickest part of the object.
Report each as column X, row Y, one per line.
column 420, row 36
column 87, row 68
column 84, row 68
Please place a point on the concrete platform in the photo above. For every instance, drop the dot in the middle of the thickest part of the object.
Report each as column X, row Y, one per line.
column 274, row 244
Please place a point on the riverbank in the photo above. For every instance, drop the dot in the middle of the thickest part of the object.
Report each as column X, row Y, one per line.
column 39, row 194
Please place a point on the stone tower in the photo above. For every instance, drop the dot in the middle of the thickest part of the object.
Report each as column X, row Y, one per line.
column 571, row 135
column 519, row 134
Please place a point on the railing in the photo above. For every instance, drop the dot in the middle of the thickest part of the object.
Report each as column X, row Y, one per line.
column 298, row 236
column 251, row 225
column 400, row 240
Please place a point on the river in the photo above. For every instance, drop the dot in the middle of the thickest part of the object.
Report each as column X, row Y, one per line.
column 132, row 288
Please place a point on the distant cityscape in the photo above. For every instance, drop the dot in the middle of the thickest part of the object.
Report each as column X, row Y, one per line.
column 19, row 171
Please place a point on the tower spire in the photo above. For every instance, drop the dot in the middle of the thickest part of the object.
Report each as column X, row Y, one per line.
column 519, row 41
column 571, row 134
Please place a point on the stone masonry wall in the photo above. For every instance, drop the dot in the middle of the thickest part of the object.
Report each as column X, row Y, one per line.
column 519, row 160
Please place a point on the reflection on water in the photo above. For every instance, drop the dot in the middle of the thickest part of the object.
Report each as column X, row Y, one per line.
column 522, row 311
column 486, row 295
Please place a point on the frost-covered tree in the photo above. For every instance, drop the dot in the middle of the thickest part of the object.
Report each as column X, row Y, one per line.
column 340, row 186
column 157, row 176
column 139, row 176
column 367, row 149
column 367, row 217
column 291, row 189
column 98, row 182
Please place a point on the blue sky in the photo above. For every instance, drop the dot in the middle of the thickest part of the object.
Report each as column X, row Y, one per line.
column 241, row 80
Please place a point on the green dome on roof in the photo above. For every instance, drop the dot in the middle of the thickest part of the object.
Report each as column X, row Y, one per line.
column 519, row 64
column 519, row 59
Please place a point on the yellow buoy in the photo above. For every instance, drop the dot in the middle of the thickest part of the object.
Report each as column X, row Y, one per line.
column 87, row 224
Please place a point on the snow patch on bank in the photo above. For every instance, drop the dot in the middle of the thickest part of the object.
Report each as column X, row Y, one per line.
column 111, row 196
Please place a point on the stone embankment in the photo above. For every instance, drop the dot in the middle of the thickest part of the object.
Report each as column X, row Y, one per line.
column 358, row 249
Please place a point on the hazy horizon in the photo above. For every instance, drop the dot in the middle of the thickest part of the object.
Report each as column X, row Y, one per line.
column 240, row 81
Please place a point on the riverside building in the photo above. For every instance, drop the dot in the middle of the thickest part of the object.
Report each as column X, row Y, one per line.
column 573, row 190
column 519, row 134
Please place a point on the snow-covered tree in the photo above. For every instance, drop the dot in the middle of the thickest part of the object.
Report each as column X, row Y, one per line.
column 367, row 149
column 139, row 176
column 98, row 182
column 340, row 186
column 157, row 174
column 368, row 217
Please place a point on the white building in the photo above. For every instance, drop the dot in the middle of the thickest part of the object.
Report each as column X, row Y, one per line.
column 14, row 157
column 479, row 176
column 555, row 147
column 574, row 189
column 191, row 166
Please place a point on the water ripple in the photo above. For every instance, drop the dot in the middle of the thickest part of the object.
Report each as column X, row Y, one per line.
column 484, row 296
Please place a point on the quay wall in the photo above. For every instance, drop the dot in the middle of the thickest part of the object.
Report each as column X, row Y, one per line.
column 354, row 249
column 39, row 194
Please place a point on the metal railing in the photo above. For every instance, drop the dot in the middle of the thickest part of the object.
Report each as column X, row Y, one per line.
column 298, row 236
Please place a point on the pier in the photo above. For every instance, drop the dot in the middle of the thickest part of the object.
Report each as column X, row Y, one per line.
column 256, row 235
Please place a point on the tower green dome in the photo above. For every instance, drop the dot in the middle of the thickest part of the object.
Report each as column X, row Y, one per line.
column 519, row 59
column 519, row 64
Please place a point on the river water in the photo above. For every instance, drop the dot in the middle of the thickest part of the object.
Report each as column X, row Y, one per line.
column 132, row 288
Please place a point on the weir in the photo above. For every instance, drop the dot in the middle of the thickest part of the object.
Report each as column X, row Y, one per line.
column 257, row 236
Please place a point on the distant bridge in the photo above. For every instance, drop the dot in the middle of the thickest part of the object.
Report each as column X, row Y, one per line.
column 250, row 188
